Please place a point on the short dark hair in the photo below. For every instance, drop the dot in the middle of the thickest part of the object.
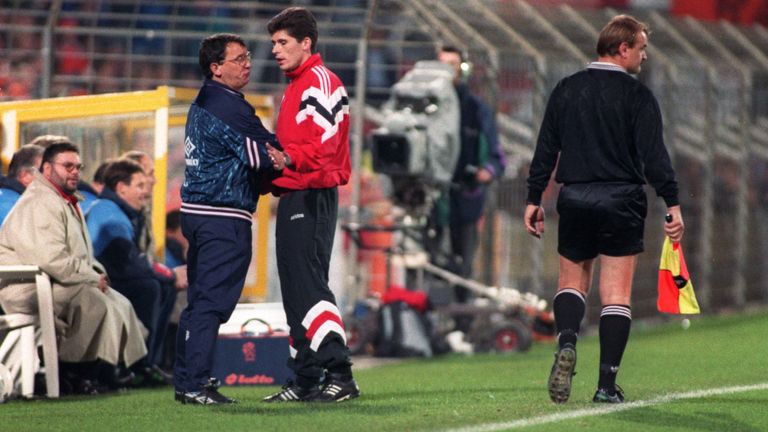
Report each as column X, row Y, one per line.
column 24, row 159
column 173, row 220
column 121, row 171
column 98, row 175
column 454, row 50
column 620, row 29
column 298, row 22
column 53, row 150
column 213, row 49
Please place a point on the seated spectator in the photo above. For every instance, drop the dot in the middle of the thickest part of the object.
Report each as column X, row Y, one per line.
column 71, row 53
column 175, row 242
column 114, row 222
column 46, row 228
column 20, row 174
column 176, row 258
column 145, row 238
column 145, row 241
column 91, row 191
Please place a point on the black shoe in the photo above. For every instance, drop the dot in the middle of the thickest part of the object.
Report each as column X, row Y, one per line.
column 209, row 395
column 337, row 389
column 615, row 395
column 293, row 392
column 115, row 377
column 563, row 370
column 150, row 376
column 80, row 386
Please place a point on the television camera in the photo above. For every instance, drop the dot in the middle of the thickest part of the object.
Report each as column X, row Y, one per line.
column 418, row 144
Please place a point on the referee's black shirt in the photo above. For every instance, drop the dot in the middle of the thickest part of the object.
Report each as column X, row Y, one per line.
column 606, row 127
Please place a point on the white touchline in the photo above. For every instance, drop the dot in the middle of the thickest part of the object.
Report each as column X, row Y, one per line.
column 608, row 409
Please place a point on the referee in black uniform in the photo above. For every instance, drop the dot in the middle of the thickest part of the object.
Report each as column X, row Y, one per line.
column 605, row 126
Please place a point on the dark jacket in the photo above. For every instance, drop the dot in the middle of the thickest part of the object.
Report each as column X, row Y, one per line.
column 225, row 154
column 479, row 149
column 605, row 126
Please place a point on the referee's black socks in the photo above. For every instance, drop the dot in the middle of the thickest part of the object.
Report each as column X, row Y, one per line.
column 615, row 322
column 569, row 306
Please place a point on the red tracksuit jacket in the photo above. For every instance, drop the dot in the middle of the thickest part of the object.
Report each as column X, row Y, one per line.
column 313, row 128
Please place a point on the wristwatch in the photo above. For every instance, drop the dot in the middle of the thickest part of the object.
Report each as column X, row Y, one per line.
column 287, row 158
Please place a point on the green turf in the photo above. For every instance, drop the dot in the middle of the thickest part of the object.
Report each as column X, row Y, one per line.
column 457, row 391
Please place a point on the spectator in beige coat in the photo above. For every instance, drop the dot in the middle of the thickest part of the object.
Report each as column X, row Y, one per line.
column 46, row 228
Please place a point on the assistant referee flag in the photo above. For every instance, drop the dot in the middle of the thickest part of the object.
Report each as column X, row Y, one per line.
column 676, row 294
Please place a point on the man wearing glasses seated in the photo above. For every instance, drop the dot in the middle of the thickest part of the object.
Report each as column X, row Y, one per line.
column 46, row 228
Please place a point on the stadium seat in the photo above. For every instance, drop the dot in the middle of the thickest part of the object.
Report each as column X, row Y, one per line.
column 18, row 354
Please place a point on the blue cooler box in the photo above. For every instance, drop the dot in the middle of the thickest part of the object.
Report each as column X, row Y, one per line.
column 251, row 358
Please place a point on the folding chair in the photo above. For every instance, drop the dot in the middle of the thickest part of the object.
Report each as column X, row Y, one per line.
column 18, row 353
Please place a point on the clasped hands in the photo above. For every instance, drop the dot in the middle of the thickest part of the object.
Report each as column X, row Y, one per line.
column 277, row 157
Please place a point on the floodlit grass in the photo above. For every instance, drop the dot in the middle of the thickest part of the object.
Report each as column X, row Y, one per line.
column 458, row 391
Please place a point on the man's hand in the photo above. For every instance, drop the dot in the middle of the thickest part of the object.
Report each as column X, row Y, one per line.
column 181, row 278
column 483, row 176
column 534, row 220
column 162, row 270
column 277, row 158
column 674, row 229
column 103, row 283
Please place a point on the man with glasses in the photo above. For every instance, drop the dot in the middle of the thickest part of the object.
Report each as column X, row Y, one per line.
column 225, row 159
column 46, row 228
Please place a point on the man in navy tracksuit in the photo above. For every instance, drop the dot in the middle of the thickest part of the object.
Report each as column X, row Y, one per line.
column 225, row 156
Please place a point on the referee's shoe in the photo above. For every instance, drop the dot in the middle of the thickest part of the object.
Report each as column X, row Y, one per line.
column 614, row 395
column 563, row 370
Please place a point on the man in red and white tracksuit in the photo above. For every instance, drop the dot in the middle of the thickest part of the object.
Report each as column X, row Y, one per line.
column 313, row 129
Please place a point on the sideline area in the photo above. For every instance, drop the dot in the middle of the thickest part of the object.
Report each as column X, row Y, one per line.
column 609, row 409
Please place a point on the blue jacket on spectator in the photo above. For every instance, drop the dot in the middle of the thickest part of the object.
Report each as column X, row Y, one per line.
column 89, row 194
column 113, row 225
column 10, row 191
column 174, row 254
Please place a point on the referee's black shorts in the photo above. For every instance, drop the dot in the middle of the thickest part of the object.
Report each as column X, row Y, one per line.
column 601, row 218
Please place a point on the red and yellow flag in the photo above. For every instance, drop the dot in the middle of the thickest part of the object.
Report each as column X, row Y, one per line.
column 676, row 294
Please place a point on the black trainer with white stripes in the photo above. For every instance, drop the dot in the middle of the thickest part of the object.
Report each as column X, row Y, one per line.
column 337, row 388
column 209, row 395
column 293, row 392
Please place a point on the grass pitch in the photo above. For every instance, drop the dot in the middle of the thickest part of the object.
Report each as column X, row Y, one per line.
column 674, row 379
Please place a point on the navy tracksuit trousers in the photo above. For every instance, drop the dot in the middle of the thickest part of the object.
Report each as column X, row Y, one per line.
column 305, row 226
column 217, row 263
column 153, row 302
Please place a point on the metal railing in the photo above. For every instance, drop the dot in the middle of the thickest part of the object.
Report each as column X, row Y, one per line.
column 711, row 80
